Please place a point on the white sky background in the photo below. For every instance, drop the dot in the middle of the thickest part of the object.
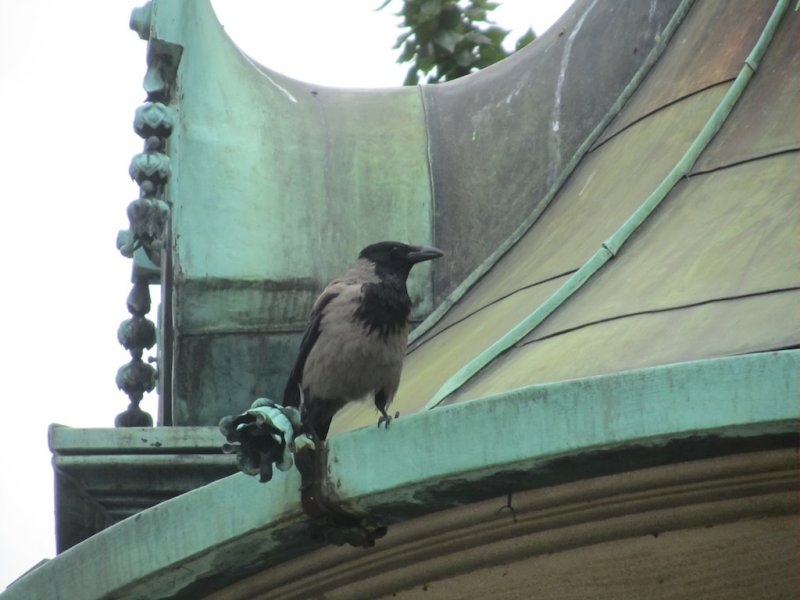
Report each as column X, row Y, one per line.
column 70, row 81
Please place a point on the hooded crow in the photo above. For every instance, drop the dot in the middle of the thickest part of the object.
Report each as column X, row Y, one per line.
column 356, row 338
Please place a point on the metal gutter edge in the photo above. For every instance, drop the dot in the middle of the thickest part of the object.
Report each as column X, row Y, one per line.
column 454, row 296
column 539, row 436
column 502, row 432
column 611, row 247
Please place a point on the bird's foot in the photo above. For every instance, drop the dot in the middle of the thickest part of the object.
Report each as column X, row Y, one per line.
column 385, row 419
column 304, row 441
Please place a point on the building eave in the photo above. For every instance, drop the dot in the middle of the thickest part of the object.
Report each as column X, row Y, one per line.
column 533, row 440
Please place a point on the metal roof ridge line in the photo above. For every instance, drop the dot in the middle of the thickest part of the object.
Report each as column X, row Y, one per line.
column 655, row 53
column 613, row 244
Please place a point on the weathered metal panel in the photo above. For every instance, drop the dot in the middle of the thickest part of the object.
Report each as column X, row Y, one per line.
column 723, row 235
column 431, row 365
column 709, row 47
column 105, row 475
column 749, row 325
column 723, row 249
column 297, row 188
column 607, row 187
column 271, row 173
column 703, row 278
column 499, row 138
column 541, row 439
column 727, row 241
column 765, row 120
column 276, row 186
column 227, row 371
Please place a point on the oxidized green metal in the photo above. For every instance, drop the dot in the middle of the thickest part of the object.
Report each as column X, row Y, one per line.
column 715, row 239
column 765, row 120
column 526, row 438
column 148, row 217
column 748, row 325
column 708, row 269
column 662, row 39
column 533, row 256
column 613, row 245
column 708, row 49
column 487, row 171
column 277, row 183
column 593, row 204
column 580, row 215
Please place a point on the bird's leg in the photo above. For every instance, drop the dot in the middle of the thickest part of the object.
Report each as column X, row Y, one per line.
column 381, row 401
column 305, row 457
column 312, row 431
column 306, row 417
column 508, row 504
column 384, row 418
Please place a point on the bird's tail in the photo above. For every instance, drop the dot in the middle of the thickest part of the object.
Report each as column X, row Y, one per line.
column 293, row 395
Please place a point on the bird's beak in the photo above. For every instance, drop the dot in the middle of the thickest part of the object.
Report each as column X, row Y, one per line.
column 419, row 254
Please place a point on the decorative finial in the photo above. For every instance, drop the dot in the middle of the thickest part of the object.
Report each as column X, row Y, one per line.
column 148, row 216
column 141, row 18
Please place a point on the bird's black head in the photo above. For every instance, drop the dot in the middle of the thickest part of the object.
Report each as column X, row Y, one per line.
column 396, row 257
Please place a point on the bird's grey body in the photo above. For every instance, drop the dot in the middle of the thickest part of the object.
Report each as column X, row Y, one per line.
column 350, row 362
column 355, row 342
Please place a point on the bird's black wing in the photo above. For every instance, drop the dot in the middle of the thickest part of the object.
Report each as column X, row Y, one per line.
column 291, row 394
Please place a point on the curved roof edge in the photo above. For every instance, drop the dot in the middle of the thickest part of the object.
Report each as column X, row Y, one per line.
column 612, row 246
column 438, row 459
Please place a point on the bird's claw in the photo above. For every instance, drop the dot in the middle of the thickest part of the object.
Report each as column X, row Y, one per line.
column 386, row 419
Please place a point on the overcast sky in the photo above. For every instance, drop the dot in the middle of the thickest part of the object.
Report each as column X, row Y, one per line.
column 70, row 80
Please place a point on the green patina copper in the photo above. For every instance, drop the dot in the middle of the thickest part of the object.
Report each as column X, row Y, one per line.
column 612, row 246
column 652, row 416
column 540, row 263
column 274, row 180
column 275, row 185
column 450, row 304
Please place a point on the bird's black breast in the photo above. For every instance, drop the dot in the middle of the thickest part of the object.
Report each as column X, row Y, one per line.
column 384, row 306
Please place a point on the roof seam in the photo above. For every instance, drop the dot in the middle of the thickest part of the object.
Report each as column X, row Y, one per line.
column 424, row 341
column 654, row 311
column 431, row 182
column 655, row 111
column 613, row 245
column 421, row 342
column 567, row 170
column 743, row 161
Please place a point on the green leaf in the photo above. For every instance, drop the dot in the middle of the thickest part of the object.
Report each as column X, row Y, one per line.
column 457, row 72
column 447, row 39
column 401, row 39
column 491, row 54
column 526, row 39
column 425, row 63
column 477, row 38
column 431, row 8
column 465, row 58
column 496, row 34
column 475, row 14
column 409, row 50
column 450, row 17
column 411, row 77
